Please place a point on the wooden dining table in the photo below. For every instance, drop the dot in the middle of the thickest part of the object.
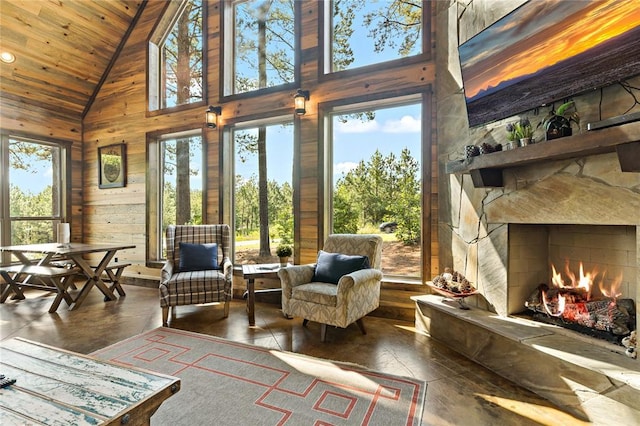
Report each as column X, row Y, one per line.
column 75, row 253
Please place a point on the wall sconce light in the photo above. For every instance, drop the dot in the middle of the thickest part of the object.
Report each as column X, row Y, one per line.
column 299, row 100
column 212, row 115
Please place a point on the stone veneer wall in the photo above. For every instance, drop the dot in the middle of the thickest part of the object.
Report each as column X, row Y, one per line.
column 474, row 222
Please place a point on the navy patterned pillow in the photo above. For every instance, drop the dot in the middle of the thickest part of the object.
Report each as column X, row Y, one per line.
column 198, row 257
column 331, row 266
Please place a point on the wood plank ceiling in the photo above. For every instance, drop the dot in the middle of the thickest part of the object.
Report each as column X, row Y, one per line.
column 62, row 48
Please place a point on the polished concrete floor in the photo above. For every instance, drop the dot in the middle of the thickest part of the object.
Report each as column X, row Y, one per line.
column 459, row 391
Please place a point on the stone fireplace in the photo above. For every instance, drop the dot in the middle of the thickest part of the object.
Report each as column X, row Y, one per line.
column 546, row 213
column 502, row 225
column 487, row 219
column 504, row 238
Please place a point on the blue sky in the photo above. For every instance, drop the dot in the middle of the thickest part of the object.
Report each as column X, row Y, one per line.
column 29, row 181
column 392, row 130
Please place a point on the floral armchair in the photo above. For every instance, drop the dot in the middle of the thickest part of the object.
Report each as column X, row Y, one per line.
column 198, row 269
column 338, row 304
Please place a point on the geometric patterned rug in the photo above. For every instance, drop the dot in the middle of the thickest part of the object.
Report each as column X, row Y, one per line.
column 232, row 383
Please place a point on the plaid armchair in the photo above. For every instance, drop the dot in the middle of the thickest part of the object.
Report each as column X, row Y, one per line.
column 196, row 286
column 354, row 296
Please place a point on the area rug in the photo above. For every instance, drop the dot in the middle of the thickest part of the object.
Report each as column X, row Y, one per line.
column 231, row 383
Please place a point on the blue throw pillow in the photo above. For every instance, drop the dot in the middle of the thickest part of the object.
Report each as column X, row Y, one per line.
column 198, row 257
column 331, row 266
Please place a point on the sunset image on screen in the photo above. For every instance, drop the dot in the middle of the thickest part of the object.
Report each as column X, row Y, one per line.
column 540, row 40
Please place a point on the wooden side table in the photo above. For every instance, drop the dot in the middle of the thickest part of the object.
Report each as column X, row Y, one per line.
column 55, row 386
column 250, row 273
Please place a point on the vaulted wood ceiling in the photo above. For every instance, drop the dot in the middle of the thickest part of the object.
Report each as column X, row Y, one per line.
column 63, row 49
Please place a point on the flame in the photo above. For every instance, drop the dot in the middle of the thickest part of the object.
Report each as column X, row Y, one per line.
column 556, row 278
column 584, row 281
column 613, row 290
column 560, row 307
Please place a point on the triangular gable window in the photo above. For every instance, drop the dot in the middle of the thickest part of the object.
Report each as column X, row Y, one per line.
column 176, row 57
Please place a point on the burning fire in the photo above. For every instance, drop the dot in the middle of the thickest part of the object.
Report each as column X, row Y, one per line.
column 576, row 288
column 614, row 289
column 568, row 301
column 585, row 281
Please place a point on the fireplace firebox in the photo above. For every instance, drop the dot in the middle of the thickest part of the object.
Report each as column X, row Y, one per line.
column 581, row 277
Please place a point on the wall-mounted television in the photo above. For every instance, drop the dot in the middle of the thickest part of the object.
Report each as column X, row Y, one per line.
column 547, row 51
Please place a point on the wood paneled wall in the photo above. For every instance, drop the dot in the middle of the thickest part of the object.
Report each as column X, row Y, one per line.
column 119, row 115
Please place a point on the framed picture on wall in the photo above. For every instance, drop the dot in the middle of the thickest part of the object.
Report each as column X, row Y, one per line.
column 112, row 171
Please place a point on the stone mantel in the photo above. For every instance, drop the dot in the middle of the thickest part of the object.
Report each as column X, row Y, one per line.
column 486, row 170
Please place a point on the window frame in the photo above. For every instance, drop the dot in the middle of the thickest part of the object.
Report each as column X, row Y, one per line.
column 325, row 59
column 154, row 178
column 229, row 173
column 381, row 101
column 227, row 82
column 64, row 195
column 159, row 34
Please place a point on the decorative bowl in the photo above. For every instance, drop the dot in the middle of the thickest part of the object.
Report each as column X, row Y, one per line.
column 458, row 297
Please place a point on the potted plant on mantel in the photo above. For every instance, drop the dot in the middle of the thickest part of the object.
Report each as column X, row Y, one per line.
column 284, row 251
column 521, row 131
column 557, row 124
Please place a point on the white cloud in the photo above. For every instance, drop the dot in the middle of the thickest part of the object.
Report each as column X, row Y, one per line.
column 343, row 168
column 406, row 124
column 357, row 126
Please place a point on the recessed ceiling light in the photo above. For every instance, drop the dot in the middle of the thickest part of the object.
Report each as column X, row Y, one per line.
column 7, row 57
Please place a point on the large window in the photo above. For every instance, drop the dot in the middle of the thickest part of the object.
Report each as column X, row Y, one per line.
column 263, row 191
column 176, row 182
column 376, row 183
column 263, row 45
column 33, row 199
column 176, row 57
column 370, row 32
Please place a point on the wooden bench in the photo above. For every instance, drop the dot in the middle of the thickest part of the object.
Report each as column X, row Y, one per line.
column 51, row 278
column 113, row 275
